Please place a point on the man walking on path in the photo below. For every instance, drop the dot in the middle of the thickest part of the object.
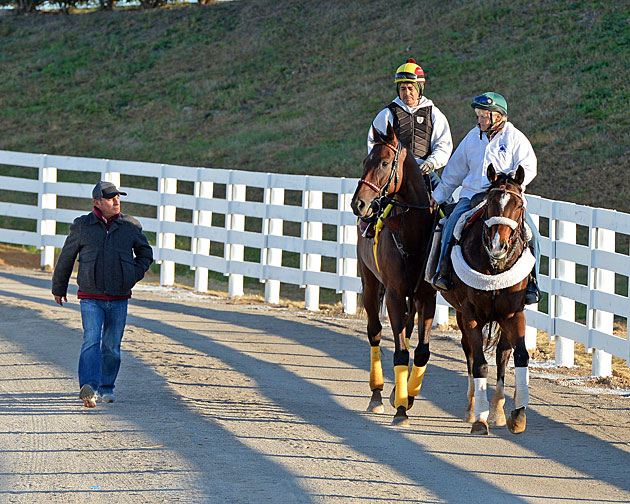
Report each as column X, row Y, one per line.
column 113, row 256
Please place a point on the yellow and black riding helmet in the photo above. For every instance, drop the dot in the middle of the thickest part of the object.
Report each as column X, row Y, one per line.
column 410, row 72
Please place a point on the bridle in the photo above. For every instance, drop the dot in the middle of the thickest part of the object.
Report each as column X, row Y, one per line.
column 393, row 175
column 516, row 226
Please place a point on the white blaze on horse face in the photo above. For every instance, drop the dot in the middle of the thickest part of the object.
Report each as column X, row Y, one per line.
column 505, row 198
column 496, row 243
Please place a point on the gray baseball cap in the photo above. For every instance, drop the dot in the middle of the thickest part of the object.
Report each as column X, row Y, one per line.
column 106, row 190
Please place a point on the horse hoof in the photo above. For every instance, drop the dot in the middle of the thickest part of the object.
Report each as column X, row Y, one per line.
column 497, row 418
column 480, row 427
column 392, row 399
column 410, row 400
column 517, row 421
column 401, row 417
column 376, row 407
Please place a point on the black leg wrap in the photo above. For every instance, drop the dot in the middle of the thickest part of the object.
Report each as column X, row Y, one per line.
column 420, row 358
column 401, row 358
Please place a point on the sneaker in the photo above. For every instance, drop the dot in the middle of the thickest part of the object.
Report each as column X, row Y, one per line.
column 108, row 397
column 87, row 395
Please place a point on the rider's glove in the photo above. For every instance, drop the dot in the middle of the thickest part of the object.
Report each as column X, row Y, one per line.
column 427, row 167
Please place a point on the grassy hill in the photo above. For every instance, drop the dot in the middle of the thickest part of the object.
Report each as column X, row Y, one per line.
column 293, row 86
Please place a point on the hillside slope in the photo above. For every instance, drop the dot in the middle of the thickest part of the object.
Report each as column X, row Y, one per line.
column 293, row 86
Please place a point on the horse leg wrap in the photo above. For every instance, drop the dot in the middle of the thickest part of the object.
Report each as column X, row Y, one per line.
column 376, row 369
column 481, row 399
column 521, row 392
column 415, row 380
column 401, row 374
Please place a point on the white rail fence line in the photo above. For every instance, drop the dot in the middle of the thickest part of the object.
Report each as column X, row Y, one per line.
column 224, row 193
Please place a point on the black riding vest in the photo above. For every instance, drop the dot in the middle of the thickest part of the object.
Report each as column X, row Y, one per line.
column 413, row 130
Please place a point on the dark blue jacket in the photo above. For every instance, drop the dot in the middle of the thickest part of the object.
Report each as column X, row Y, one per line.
column 110, row 262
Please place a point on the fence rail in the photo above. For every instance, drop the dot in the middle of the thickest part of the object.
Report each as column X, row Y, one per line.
column 300, row 230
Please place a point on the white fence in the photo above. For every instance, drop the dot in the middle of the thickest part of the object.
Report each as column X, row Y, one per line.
column 263, row 221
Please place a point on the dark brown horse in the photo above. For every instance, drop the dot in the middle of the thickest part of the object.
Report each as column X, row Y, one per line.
column 392, row 187
column 495, row 249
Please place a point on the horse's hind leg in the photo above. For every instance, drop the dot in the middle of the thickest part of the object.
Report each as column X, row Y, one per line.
column 426, row 311
column 372, row 299
column 469, row 415
column 497, row 415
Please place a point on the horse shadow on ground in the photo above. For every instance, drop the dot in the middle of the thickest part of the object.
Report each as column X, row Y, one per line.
column 385, row 445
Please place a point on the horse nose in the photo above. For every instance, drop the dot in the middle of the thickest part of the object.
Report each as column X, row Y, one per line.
column 358, row 207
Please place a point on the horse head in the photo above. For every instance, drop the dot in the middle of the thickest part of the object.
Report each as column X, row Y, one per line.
column 504, row 214
column 382, row 173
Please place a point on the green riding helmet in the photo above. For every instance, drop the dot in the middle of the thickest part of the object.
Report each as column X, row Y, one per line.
column 491, row 101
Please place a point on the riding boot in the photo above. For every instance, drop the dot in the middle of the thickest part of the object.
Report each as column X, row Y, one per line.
column 366, row 226
column 532, row 292
column 442, row 279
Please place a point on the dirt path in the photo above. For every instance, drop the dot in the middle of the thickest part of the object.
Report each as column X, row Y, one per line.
column 220, row 402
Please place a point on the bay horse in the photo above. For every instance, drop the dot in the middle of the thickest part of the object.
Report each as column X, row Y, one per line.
column 390, row 264
column 496, row 252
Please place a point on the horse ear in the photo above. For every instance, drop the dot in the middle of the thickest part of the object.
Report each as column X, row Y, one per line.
column 520, row 175
column 377, row 135
column 390, row 133
column 492, row 175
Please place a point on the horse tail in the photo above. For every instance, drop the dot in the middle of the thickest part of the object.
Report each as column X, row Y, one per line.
column 491, row 333
column 381, row 296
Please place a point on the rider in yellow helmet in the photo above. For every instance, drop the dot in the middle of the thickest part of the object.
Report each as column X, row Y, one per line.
column 417, row 122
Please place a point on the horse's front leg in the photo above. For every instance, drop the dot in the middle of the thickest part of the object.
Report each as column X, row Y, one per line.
column 517, row 420
column 372, row 299
column 497, row 414
column 479, row 375
column 397, row 309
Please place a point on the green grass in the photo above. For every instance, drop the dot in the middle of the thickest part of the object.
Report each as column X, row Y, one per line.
column 293, row 87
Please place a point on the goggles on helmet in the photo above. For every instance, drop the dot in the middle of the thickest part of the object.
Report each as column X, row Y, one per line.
column 483, row 100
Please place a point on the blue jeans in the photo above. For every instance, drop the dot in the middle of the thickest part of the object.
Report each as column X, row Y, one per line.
column 103, row 327
column 463, row 205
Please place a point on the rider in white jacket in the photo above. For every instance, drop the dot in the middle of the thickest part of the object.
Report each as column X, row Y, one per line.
column 493, row 141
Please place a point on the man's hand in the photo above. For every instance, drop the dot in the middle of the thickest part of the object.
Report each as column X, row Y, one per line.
column 60, row 299
column 427, row 167
column 433, row 205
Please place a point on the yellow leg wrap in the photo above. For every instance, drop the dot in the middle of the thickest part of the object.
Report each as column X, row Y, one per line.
column 415, row 380
column 376, row 369
column 407, row 340
column 401, row 373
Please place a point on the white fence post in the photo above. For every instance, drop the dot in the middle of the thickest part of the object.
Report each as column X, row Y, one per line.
column 113, row 177
column 441, row 312
column 603, row 321
column 167, row 213
column 313, row 262
column 235, row 251
column 565, row 307
column 47, row 204
column 273, row 256
column 347, row 266
column 530, row 331
column 201, row 246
